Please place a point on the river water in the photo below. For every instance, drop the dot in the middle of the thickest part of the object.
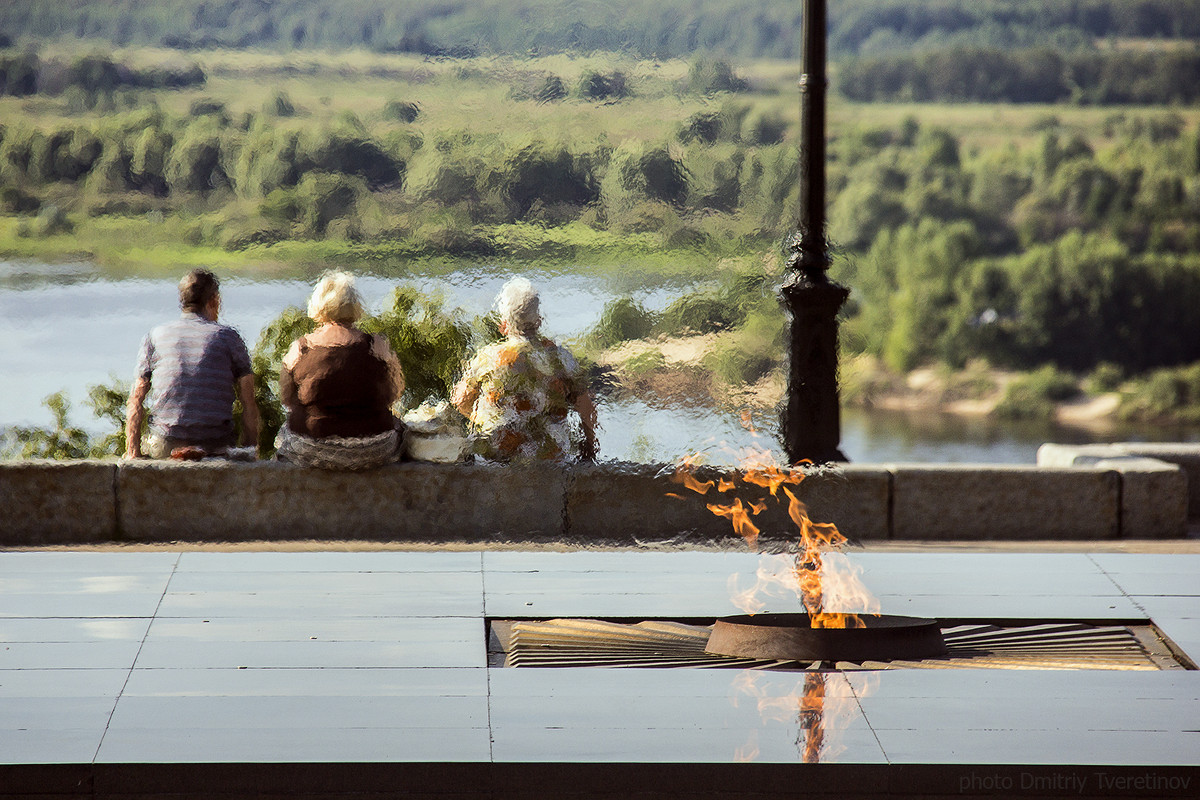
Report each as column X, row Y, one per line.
column 64, row 327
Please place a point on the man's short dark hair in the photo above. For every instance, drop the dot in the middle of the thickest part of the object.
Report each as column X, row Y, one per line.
column 197, row 289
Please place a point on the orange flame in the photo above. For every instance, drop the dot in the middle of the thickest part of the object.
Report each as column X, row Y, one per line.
column 808, row 575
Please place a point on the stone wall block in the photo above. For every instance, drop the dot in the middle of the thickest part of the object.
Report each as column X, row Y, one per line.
column 633, row 503
column 57, row 502
column 1186, row 456
column 1076, row 455
column 218, row 501
column 1154, row 502
column 988, row 501
column 630, row 503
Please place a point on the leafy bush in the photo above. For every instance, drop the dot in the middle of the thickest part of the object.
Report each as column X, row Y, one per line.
column 644, row 363
column 207, row 107
column 623, row 319
column 1034, row 396
column 650, row 172
column 1165, row 395
column 15, row 200
column 279, row 105
column 703, row 126
column 401, row 110
column 546, row 173
column 603, row 86
column 61, row 441
column 50, row 221
column 708, row 76
column 431, row 342
column 108, row 402
column 149, row 159
column 268, row 160
column 18, row 74
column 195, row 162
column 322, row 197
column 551, row 91
column 348, row 153
column 700, row 312
column 1106, row 377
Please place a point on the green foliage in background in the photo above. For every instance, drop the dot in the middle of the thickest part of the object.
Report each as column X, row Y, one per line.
column 649, row 29
column 621, row 320
column 1164, row 395
column 431, row 341
column 61, row 441
column 1034, row 396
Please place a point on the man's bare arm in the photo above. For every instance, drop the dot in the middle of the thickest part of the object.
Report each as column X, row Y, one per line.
column 135, row 414
column 249, row 411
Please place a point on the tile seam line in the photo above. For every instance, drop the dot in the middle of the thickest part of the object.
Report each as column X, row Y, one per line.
column 487, row 670
column 858, row 702
column 1092, row 557
column 133, row 665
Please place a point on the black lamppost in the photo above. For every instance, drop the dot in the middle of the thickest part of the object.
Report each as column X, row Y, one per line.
column 811, row 417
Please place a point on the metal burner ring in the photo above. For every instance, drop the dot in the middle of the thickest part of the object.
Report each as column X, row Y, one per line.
column 790, row 637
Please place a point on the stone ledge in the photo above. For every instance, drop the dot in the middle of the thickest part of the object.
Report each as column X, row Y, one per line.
column 1111, row 495
column 57, row 502
column 989, row 501
column 1185, row 457
column 1154, row 497
column 240, row 502
column 633, row 503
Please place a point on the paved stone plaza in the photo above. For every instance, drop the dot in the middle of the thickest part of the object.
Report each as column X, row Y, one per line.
column 379, row 657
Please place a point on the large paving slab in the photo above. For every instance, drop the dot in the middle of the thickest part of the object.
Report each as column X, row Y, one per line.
column 250, row 662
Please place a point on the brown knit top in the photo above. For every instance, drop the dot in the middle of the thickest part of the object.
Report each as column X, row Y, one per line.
column 338, row 390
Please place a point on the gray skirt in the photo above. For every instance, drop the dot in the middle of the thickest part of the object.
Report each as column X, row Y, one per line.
column 338, row 452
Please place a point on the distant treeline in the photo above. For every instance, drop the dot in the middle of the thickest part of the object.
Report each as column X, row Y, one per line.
column 988, row 75
column 26, row 73
column 648, row 28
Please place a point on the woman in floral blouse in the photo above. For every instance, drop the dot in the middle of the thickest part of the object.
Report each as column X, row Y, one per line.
column 517, row 392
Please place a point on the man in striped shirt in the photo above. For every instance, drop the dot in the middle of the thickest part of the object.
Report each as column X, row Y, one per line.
column 194, row 365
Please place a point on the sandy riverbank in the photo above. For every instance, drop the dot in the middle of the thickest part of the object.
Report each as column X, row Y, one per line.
column 675, row 366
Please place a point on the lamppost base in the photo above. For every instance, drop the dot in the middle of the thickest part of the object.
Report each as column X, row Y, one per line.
column 811, row 414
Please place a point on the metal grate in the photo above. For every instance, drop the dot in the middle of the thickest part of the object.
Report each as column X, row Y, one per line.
column 971, row 645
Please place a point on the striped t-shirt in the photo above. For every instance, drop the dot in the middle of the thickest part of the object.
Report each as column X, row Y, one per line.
column 192, row 365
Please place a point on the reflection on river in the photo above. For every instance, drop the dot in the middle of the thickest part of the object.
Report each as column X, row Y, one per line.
column 66, row 327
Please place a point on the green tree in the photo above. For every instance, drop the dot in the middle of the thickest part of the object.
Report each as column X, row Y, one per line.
column 61, row 441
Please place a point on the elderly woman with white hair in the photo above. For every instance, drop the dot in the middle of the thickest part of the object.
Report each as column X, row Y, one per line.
column 338, row 385
column 518, row 392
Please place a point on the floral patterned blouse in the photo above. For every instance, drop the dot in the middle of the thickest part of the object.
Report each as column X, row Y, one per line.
column 525, row 385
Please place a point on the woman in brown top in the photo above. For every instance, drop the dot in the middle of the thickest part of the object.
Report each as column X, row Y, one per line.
column 338, row 385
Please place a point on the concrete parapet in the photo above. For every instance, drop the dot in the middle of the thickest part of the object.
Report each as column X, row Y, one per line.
column 1154, row 502
column 57, row 502
column 1103, row 494
column 404, row 502
column 1076, row 455
column 989, row 501
column 1186, row 456
column 854, row 497
column 631, row 503
column 640, row 502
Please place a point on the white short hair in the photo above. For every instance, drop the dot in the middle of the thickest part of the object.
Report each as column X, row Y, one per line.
column 335, row 299
column 518, row 305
